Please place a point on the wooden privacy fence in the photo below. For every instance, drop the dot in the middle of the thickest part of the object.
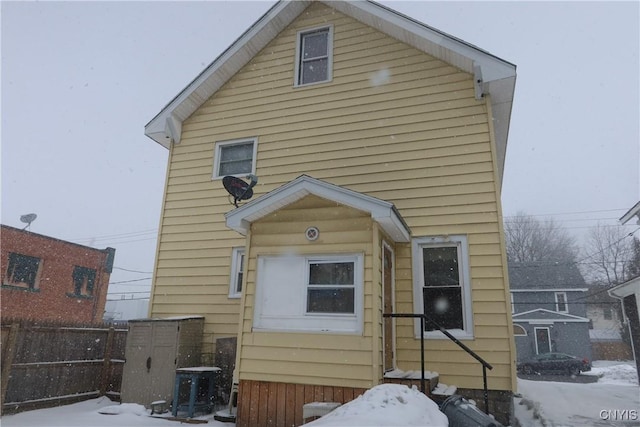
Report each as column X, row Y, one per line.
column 47, row 364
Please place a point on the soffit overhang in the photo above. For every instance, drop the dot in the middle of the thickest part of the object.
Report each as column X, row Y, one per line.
column 493, row 76
column 633, row 212
column 625, row 289
column 381, row 211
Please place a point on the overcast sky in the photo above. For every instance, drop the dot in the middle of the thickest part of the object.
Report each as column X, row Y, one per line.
column 81, row 79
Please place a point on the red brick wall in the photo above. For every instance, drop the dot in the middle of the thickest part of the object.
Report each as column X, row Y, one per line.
column 53, row 298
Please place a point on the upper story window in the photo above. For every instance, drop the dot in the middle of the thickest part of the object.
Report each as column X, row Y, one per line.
column 561, row 302
column 84, row 280
column 237, row 273
column 314, row 56
column 237, row 157
column 22, row 271
column 441, row 284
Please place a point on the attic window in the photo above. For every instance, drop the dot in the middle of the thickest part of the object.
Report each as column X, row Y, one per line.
column 314, row 53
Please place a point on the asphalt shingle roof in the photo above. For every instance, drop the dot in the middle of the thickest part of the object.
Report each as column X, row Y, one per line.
column 541, row 275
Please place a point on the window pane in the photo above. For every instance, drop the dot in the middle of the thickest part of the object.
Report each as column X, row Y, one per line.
column 441, row 266
column 84, row 280
column 339, row 300
column 314, row 45
column 444, row 306
column 236, row 152
column 331, row 273
column 236, row 159
column 22, row 269
column 314, row 71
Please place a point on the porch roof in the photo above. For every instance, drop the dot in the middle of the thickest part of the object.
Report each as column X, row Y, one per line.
column 383, row 212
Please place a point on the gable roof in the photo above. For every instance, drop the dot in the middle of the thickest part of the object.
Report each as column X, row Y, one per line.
column 383, row 212
column 493, row 75
column 541, row 314
column 544, row 275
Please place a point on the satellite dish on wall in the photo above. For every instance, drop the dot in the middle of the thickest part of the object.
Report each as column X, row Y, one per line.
column 28, row 219
column 239, row 189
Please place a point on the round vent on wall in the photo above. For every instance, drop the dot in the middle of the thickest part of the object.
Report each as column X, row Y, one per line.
column 312, row 233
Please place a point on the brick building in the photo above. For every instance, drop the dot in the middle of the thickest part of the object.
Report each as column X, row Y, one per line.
column 44, row 278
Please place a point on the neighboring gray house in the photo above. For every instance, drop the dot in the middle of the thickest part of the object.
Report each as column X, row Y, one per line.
column 548, row 302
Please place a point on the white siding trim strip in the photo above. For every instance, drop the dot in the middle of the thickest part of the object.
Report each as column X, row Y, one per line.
column 562, row 317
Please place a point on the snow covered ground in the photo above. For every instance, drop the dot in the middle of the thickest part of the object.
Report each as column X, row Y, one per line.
column 612, row 401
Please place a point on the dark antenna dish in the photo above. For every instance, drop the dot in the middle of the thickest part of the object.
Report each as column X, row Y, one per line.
column 28, row 219
column 239, row 189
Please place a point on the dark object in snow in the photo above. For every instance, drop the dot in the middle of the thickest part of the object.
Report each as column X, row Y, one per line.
column 462, row 413
column 554, row 362
column 239, row 189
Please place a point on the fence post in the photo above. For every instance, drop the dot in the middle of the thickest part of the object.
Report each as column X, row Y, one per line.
column 7, row 361
column 106, row 364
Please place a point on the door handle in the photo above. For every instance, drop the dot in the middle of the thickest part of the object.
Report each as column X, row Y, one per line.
column 148, row 364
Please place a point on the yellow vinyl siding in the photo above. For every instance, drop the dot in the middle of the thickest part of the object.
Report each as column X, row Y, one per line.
column 419, row 139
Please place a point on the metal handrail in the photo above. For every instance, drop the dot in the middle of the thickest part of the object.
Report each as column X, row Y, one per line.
column 423, row 319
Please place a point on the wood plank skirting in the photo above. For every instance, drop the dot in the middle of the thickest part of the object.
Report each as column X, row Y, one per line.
column 265, row 403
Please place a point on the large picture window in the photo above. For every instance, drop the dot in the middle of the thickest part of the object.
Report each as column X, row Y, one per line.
column 237, row 157
column 22, row 271
column 314, row 56
column 321, row 293
column 441, row 284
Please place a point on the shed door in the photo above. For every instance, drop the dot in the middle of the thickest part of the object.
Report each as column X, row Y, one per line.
column 149, row 370
column 136, row 386
column 387, row 294
column 163, row 361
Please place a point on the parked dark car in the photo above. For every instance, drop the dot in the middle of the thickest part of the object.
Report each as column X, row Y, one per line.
column 554, row 363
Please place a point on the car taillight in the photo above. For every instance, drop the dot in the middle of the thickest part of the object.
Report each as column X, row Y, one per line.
column 585, row 361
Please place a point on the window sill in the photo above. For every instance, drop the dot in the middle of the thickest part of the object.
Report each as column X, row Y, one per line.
column 19, row 288
column 306, row 331
column 305, row 85
column 437, row 335
column 235, row 296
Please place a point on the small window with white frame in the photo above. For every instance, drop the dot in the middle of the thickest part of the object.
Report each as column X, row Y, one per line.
column 237, row 273
column 561, row 302
column 331, row 286
column 442, row 288
column 314, row 56
column 236, row 157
